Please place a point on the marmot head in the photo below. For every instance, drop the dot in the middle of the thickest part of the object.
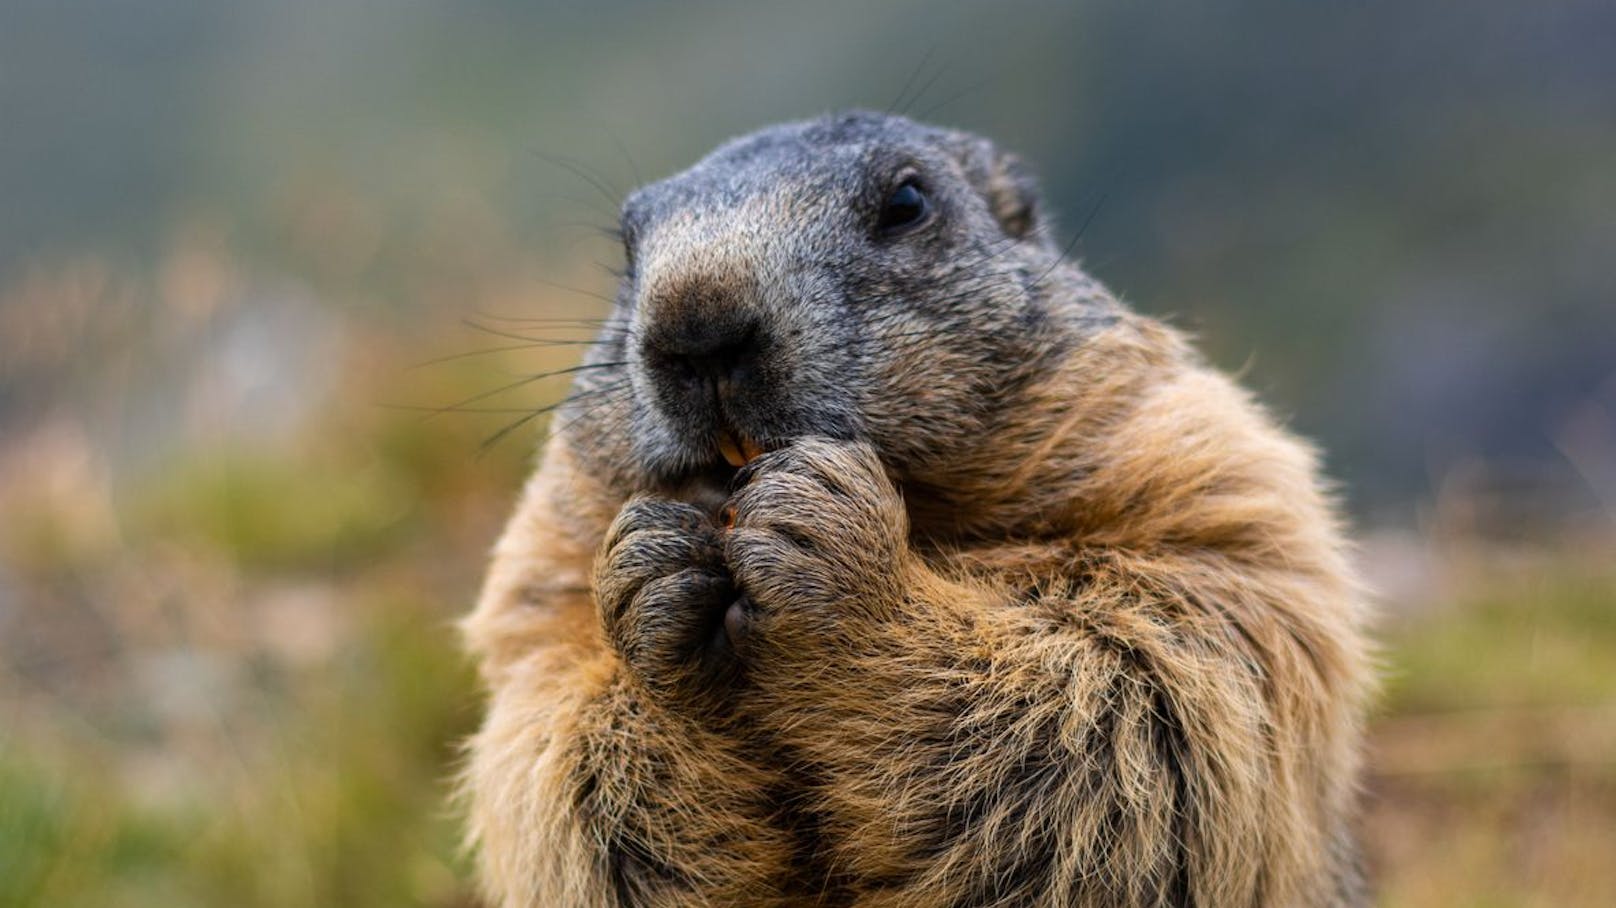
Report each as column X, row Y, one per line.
column 855, row 276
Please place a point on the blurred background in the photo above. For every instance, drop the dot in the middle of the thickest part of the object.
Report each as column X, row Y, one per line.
column 268, row 279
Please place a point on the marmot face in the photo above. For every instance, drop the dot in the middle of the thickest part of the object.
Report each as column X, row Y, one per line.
column 856, row 277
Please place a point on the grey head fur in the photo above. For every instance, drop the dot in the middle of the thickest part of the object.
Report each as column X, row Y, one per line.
column 765, row 298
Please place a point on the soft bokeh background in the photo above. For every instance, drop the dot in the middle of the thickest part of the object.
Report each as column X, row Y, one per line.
column 253, row 253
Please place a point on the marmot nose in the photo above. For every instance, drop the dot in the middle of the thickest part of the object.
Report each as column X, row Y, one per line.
column 709, row 349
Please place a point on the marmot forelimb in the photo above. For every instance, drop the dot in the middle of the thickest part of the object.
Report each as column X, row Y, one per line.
column 883, row 558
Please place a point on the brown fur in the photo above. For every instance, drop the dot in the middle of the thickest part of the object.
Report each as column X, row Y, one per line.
column 1109, row 656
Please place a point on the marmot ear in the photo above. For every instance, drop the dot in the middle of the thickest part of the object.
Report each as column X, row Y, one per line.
column 1008, row 186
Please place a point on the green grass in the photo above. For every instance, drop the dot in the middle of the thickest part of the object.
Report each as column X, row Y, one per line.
column 333, row 792
column 1493, row 767
column 1545, row 639
column 233, row 679
column 267, row 513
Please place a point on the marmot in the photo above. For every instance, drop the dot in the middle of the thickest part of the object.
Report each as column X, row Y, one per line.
column 881, row 557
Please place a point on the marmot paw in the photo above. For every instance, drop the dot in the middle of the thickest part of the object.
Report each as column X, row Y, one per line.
column 817, row 539
column 662, row 589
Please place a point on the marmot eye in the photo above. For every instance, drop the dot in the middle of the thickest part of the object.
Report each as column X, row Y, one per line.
column 904, row 208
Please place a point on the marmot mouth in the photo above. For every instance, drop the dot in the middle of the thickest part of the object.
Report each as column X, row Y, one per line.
column 709, row 486
column 737, row 449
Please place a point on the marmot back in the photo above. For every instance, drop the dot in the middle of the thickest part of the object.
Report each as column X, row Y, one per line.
column 882, row 558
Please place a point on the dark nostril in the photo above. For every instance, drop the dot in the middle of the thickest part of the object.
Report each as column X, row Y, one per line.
column 723, row 360
column 704, row 349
